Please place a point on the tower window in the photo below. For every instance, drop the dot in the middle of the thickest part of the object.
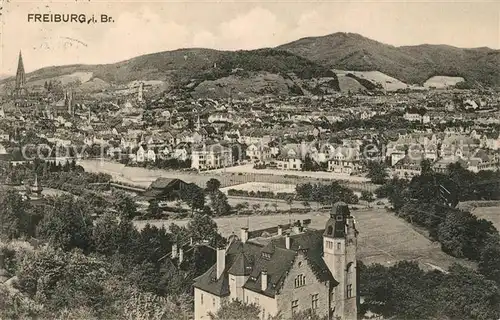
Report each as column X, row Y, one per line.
column 201, row 298
column 300, row 281
column 295, row 306
column 314, row 301
column 329, row 230
column 349, row 290
column 339, row 218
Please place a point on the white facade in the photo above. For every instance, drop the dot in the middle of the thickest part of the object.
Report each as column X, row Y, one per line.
column 205, row 303
column 211, row 158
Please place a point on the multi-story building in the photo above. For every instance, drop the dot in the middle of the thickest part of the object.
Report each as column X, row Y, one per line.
column 211, row 157
column 292, row 156
column 258, row 152
column 408, row 167
column 345, row 160
column 287, row 272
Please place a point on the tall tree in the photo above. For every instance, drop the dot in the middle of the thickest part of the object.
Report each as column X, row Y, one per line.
column 213, row 185
column 193, row 196
column 219, row 203
column 114, row 235
column 14, row 215
column 489, row 264
column 202, row 227
column 377, row 172
column 67, row 224
column 124, row 205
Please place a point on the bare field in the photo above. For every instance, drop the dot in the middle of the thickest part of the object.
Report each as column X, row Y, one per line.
column 143, row 177
column 263, row 186
column 440, row 82
column 383, row 238
column 388, row 83
column 248, row 168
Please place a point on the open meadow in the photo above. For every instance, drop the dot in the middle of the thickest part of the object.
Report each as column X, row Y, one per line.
column 383, row 238
column 143, row 177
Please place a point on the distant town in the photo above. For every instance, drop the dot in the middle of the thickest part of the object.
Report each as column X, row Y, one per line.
column 326, row 204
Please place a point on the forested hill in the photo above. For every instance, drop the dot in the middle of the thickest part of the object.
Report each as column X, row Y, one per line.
column 410, row 64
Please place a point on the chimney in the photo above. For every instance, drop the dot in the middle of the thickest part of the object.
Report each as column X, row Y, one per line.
column 174, row 251
column 244, row 235
column 263, row 280
column 287, row 241
column 221, row 261
column 181, row 255
column 280, row 230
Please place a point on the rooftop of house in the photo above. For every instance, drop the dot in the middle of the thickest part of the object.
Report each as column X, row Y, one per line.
column 270, row 253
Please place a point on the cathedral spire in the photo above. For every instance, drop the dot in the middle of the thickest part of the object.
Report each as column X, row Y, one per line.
column 20, row 74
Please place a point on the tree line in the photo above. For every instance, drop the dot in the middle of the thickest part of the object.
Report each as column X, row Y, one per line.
column 425, row 201
column 92, row 269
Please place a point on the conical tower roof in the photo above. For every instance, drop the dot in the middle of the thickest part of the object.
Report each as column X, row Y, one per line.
column 37, row 188
column 20, row 74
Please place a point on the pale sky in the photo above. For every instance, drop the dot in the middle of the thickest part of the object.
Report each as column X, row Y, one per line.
column 142, row 27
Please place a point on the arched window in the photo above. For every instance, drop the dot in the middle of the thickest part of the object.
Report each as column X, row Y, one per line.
column 349, row 268
column 329, row 230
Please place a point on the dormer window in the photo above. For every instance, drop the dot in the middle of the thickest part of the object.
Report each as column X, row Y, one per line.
column 266, row 255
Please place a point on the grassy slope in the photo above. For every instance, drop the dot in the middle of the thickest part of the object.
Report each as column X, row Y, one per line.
column 383, row 237
column 185, row 64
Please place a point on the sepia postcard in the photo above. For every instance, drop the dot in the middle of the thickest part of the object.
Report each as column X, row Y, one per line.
column 254, row 160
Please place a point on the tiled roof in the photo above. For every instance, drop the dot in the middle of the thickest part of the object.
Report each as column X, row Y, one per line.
column 208, row 282
column 310, row 243
column 250, row 259
column 220, row 287
column 161, row 183
column 276, row 264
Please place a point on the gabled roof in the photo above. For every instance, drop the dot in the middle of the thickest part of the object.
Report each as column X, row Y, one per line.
column 310, row 243
column 276, row 265
column 162, row 183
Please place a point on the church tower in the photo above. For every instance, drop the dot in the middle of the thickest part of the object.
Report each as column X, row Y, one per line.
column 69, row 102
column 37, row 187
column 339, row 254
column 20, row 76
column 140, row 92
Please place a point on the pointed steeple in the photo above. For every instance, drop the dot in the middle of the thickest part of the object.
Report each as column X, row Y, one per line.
column 20, row 74
column 37, row 187
column 198, row 123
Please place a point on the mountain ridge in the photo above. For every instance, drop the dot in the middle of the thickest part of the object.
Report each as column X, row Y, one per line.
column 305, row 58
column 411, row 64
